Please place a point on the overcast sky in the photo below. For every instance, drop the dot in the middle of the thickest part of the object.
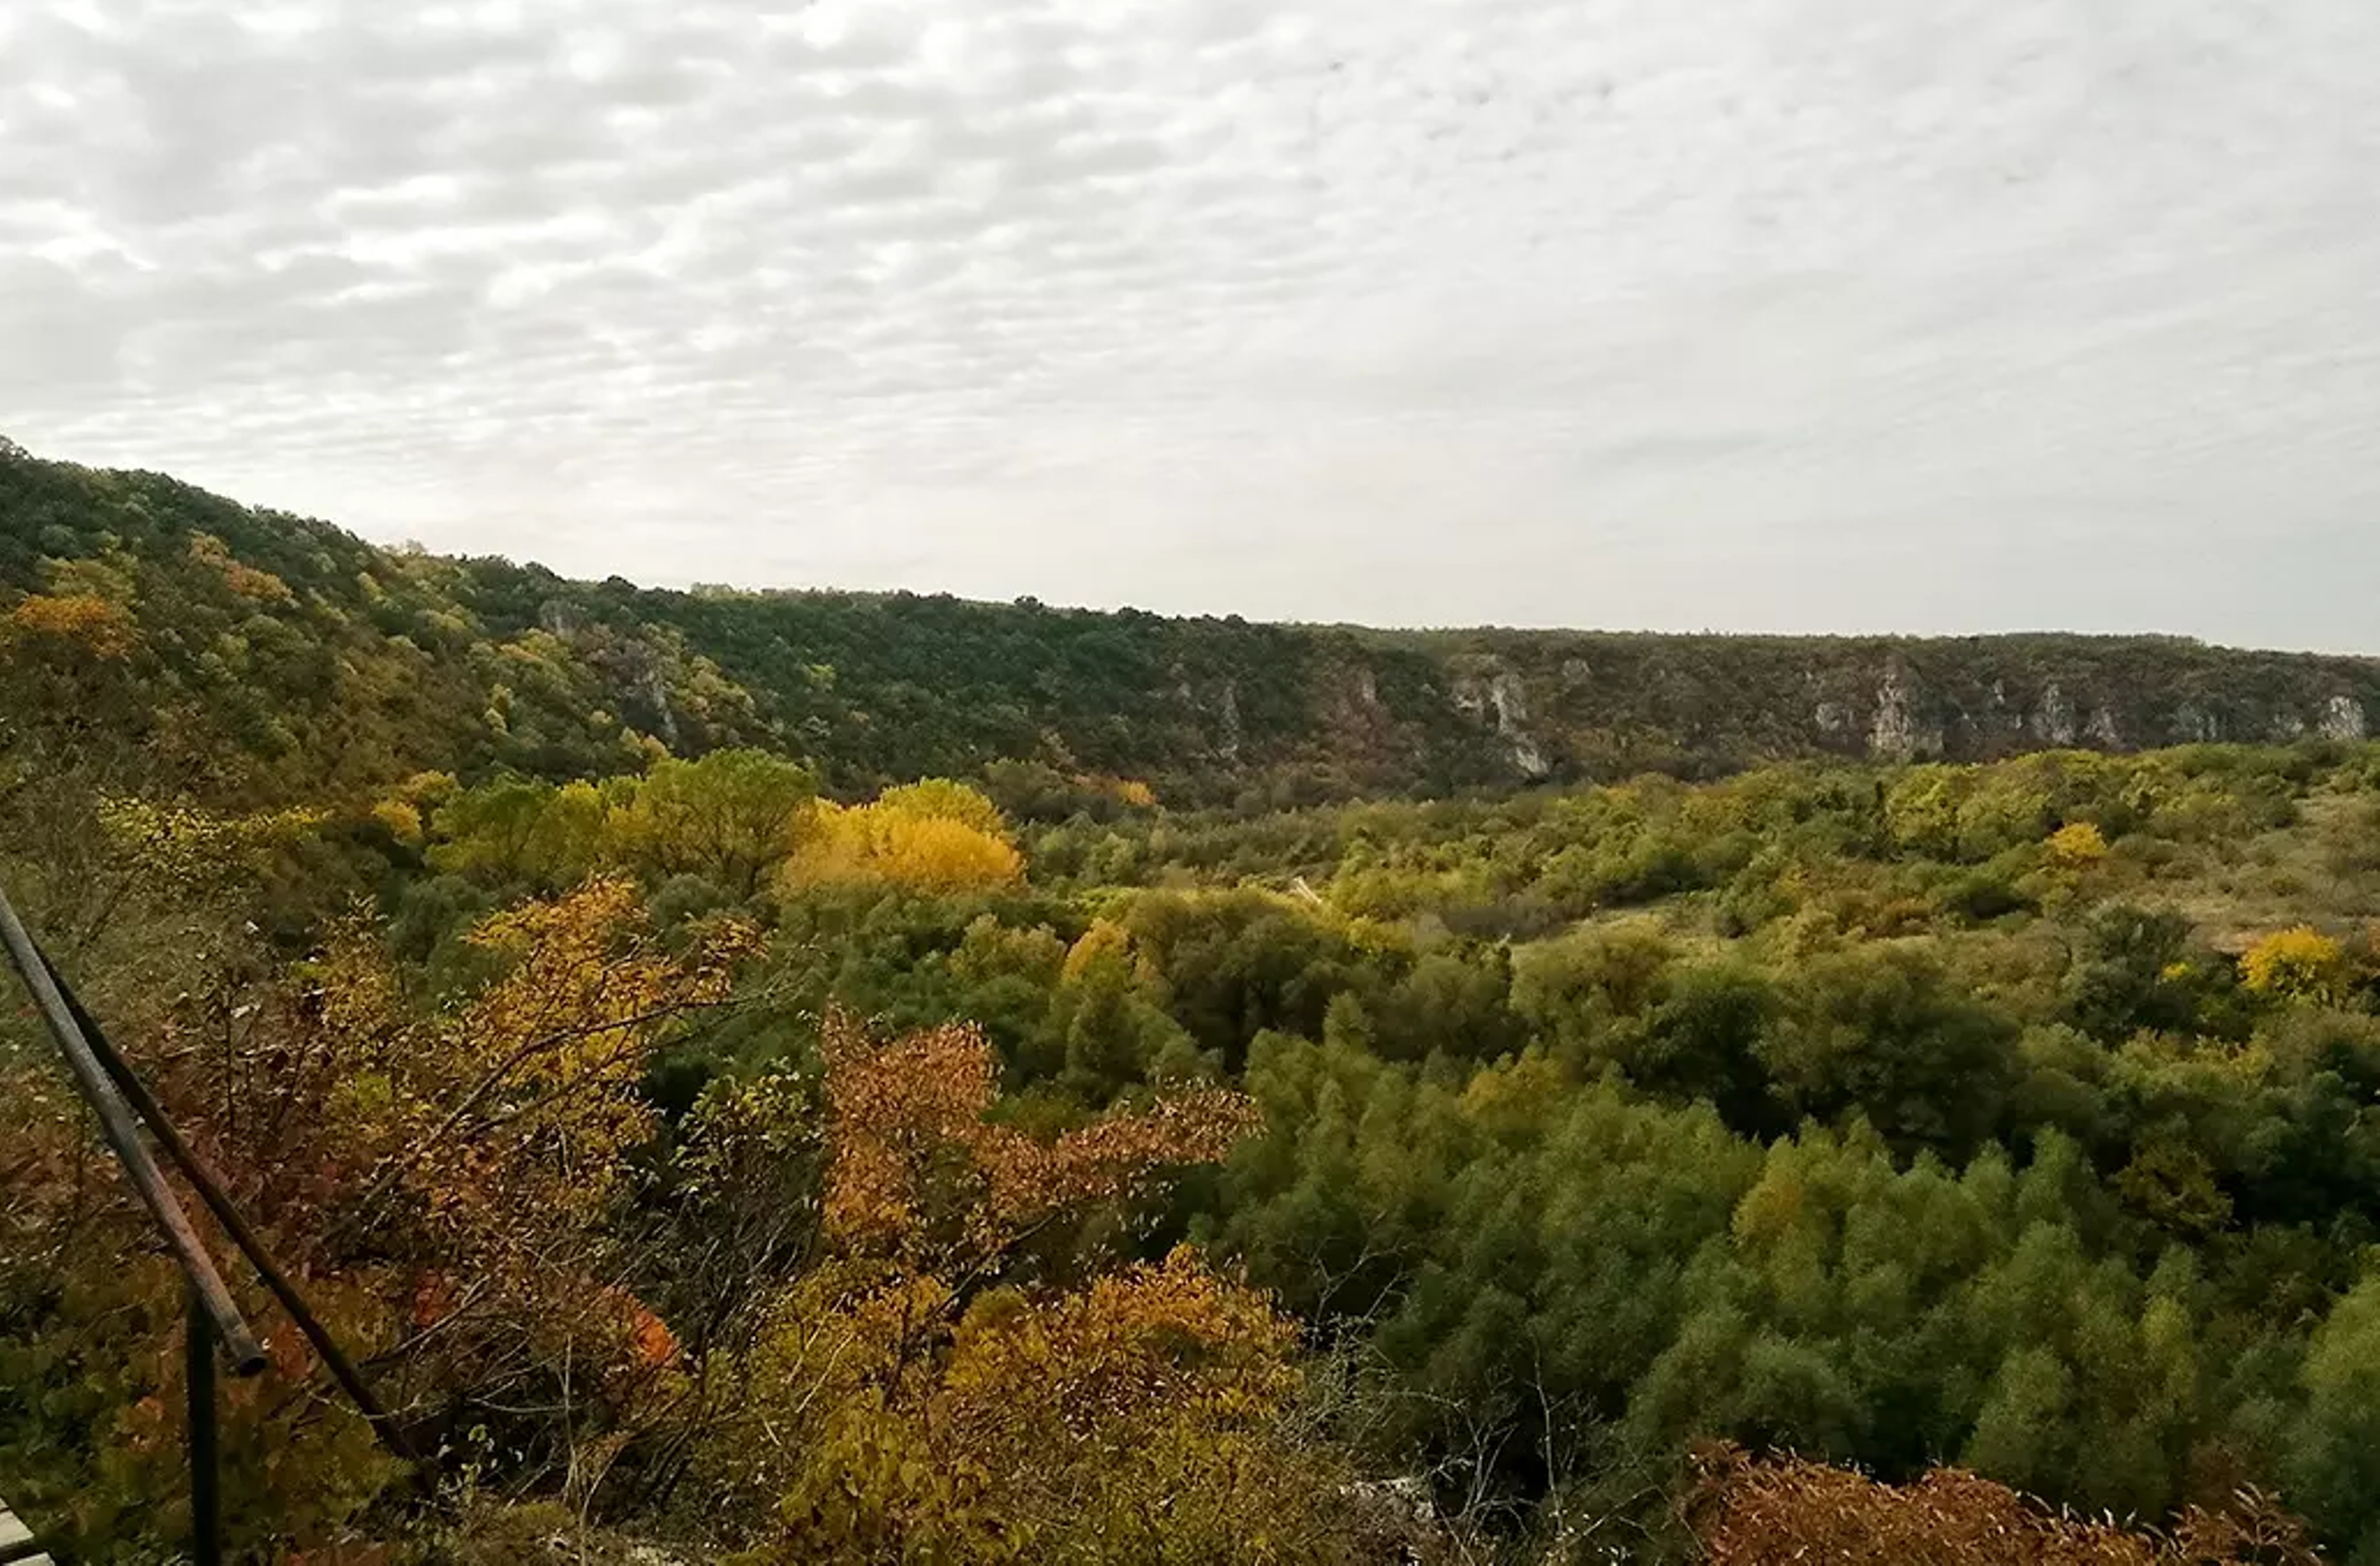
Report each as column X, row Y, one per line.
column 1746, row 314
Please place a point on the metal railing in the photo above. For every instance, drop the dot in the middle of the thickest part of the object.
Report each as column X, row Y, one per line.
column 213, row 1321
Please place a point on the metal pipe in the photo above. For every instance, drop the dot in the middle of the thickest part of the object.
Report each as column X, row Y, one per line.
column 206, row 1499
column 212, row 1191
column 122, row 1136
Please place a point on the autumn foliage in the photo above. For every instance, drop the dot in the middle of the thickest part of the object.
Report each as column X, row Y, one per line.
column 2078, row 846
column 936, row 837
column 2299, row 963
column 739, row 821
column 1140, row 1417
column 931, row 1393
column 244, row 580
column 1787, row 1511
column 445, row 1175
column 517, row 1103
column 913, row 1145
column 500, row 938
column 82, row 620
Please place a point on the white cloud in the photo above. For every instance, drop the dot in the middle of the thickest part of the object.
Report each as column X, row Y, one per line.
column 1760, row 313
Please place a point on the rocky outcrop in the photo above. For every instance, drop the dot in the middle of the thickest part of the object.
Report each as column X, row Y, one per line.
column 1895, row 734
column 1367, row 691
column 2053, row 721
column 2005, row 716
column 1216, row 721
column 1900, row 703
column 653, row 691
column 1491, row 693
column 1228, row 715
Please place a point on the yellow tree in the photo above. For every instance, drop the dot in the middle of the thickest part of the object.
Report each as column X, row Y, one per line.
column 2296, row 964
column 514, row 1104
column 919, row 1398
column 2077, row 847
column 936, row 835
column 73, row 665
column 946, row 800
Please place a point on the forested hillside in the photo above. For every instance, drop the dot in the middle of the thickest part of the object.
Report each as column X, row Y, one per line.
column 264, row 652
column 816, row 1078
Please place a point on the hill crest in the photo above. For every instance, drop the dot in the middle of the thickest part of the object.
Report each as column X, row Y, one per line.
column 313, row 651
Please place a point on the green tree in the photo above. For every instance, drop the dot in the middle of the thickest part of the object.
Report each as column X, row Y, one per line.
column 730, row 817
column 1878, row 1031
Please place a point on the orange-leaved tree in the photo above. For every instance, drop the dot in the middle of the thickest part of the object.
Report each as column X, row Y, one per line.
column 921, row 1175
column 84, row 622
column 476, row 1153
column 1788, row 1511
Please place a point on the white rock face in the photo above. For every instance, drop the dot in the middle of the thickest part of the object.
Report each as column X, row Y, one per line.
column 656, row 694
column 1368, row 686
column 2055, row 720
column 1895, row 735
column 2004, row 715
column 1500, row 695
column 2342, row 718
column 2102, row 731
column 1510, row 698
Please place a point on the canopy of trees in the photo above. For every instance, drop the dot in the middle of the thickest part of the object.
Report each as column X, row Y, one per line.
column 847, row 1123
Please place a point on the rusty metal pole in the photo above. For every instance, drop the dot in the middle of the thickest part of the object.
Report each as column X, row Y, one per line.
column 217, row 1199
column 124, row 1138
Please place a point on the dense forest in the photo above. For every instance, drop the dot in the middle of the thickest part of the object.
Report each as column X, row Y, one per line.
column 799, row 1078
column 271, row 656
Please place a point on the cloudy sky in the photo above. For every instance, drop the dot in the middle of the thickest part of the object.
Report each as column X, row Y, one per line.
column 1747, row 314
